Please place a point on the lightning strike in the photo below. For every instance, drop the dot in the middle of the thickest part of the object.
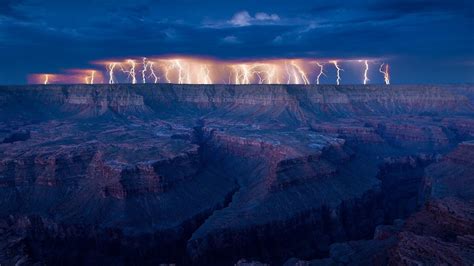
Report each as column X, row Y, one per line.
column 131, row 72
column 366, row 70
column 271, row 75
column 177, row 64
column 338, row 80
column 110, row 68
column 145, row 66
column 295, row 76
column 90, row 79
column 321, row 72
column 287, row 69
column 302, row 74
column 241, row 74
column 261, row 78
column 245, row 74
column 152, row 72
column 167, row 70
column 190, row 70
column 385, row 72
column 203, row 76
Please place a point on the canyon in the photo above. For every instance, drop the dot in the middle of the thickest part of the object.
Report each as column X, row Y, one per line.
column 236, row 174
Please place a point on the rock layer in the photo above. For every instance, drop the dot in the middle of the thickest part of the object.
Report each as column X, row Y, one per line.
column 211, row 174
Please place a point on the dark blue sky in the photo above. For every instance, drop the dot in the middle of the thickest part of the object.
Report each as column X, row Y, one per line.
column 424, row 41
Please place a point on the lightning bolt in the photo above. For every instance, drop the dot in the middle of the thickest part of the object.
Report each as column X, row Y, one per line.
column 90, row 79
column 321, row 72
column 257, row 72
column 86, row 80
column 366, row 70
column 184, row 75
column 245, row 74
column 145, row 66
column 287, row 73
column 261, row 79
column 298, row 69
column 274, row 77
column 177, row 64
column 167, row 72
column 203, row 77
column 110, row 68
column 271, row 72
column 241, row 73
column 294, row 74
column 131, row 72
column 338, row 80
column 184, row 70
column 385, row 72
column 152, row 72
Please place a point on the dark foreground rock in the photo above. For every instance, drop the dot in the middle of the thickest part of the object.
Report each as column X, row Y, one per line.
column 440, row 233
column 218, row 175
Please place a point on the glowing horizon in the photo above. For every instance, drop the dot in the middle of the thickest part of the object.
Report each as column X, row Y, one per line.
column 199, row 70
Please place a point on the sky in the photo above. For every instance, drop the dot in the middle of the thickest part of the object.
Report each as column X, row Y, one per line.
column 424, row 41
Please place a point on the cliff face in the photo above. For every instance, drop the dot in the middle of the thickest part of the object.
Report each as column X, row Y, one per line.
column 212, row 174
column 298, row 102
column 441, row 231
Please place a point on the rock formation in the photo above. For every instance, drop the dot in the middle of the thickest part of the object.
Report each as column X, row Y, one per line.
column 246, row 175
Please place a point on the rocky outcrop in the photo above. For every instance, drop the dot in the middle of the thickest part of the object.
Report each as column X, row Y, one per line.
column 439, row 234
column 352, row 133
column 406, row 134
column 453, row 172
column 442, row 233
column 50, row 168
column 153, row 177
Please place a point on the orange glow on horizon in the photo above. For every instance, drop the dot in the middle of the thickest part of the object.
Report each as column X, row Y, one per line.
column 72, row 76
column 197, row 70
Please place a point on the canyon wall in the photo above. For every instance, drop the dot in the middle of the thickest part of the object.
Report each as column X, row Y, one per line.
column 213, row 174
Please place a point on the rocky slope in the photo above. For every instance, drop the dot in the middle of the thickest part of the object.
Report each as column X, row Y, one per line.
column 440, row 233
column 208, row 175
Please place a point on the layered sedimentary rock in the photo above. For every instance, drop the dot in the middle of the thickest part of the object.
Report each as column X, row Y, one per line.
column 197, row 174
column 440, row 232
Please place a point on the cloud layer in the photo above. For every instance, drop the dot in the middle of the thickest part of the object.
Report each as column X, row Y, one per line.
column 243, row 18
column 425, row 40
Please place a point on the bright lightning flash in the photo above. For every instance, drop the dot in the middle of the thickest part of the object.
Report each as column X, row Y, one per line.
column 152, row 72
column 194, row 70
column 301, row 72
column 131, row 71
column 90, row 79
column 366, row 71
column 145, row 66
column 321, row 72
column 110, row 68
column 385, row 72
column 335, row 63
